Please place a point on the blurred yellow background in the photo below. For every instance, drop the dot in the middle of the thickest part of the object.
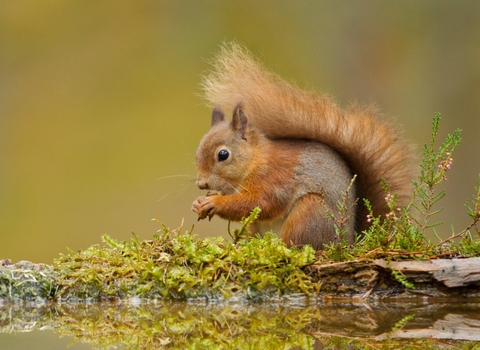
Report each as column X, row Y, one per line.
column 100, row 118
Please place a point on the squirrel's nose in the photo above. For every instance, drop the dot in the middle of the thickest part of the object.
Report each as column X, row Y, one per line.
column 202, row 184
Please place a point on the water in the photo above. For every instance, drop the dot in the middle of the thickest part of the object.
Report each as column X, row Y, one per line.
column 336, row 324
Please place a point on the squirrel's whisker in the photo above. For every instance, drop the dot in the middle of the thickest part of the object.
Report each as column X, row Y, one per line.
column 175, row 176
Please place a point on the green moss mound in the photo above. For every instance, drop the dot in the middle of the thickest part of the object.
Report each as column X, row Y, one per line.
column 182, row 266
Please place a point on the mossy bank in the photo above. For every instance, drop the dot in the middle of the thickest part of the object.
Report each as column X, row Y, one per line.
column 393, row 258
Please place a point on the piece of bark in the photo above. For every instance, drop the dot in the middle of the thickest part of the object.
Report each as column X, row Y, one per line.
column 366, row 279
column 451, row 272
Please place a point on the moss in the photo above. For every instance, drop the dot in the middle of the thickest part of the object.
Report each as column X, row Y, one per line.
column 182, row 266
column 26, row 281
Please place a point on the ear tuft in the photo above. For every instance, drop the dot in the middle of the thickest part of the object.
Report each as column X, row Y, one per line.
column 217, row 116
column 239, row 120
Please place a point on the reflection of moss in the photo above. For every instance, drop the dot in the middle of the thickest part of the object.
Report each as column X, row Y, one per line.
column 181, row 266
column 186, row 325
column 183, row 326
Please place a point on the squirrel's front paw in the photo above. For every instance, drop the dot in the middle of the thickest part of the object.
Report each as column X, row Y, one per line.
column 204, row 207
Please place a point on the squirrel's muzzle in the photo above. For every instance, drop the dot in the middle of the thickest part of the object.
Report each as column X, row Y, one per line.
column 202, row 184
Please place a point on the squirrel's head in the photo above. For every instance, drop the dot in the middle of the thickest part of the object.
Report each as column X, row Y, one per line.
column 224, row 156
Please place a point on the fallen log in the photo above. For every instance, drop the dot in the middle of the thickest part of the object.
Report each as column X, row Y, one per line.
column 374, row 278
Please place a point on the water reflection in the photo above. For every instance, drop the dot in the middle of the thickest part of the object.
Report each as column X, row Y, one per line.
column 182, row 325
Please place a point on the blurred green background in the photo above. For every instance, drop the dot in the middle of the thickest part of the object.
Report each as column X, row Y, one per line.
column 100, row 117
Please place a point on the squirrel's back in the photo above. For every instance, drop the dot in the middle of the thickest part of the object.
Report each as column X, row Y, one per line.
column 372, row 148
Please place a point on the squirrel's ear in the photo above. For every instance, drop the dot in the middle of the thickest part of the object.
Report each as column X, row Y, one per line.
column 239, row 121
column 217, row 116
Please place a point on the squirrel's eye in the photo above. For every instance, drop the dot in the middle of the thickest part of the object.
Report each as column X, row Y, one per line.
column 222, row 155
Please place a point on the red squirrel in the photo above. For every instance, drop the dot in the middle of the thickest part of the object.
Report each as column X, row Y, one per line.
column 293, row 153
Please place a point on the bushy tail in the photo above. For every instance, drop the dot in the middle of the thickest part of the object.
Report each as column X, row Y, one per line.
column 373, row 148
